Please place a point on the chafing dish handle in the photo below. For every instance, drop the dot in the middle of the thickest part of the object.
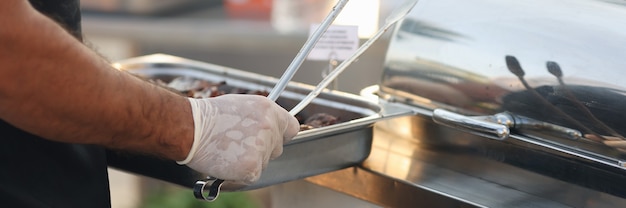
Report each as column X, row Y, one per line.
column 212, row 185
column 473, row 124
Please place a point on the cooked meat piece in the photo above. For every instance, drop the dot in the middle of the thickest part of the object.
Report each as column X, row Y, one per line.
column 320, row 120
column 251, row 92
column 196, row 88
column 304, row 127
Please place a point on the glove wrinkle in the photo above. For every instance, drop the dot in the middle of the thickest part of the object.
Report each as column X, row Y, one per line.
column 237, row 135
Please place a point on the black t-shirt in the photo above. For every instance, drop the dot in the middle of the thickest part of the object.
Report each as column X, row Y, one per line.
column 36, row 172
column 65, row 12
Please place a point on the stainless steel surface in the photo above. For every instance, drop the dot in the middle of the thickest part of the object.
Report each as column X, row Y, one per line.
column 549, row 72
column 545, row 60
column 498, row 124
column 459, row 63
column 415, row 162
column 212, row 190
column 312, row 151
column 461, row 47
column 471, row 124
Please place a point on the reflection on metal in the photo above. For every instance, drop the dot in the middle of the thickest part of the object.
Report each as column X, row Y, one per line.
column 555, row 70
column 210, row 185
column 465, row 122
column 515, row 68
column 465, row 58
column 556, row 125
column 499, row 124
column 436, row 166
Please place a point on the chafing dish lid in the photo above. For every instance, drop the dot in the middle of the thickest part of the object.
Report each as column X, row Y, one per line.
column 541, row 60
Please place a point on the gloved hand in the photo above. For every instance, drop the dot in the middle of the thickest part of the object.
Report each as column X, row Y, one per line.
column 237, row 135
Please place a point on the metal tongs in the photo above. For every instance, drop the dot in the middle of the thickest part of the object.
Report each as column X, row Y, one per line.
column 305, row 50
column 396, row 15
column 208, row 189
column 212, row 185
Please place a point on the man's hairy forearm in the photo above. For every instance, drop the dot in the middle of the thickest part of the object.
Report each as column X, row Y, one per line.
column 53, row 86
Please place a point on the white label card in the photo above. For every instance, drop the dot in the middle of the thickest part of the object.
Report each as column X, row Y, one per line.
column 339, row 42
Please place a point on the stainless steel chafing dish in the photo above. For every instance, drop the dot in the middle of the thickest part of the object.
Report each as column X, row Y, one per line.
column 533, row 70
column 512, row 103
column 548, row 72
column 517, row 103
column 312, row 152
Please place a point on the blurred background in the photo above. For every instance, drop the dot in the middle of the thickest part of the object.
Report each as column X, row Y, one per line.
column 260, row 36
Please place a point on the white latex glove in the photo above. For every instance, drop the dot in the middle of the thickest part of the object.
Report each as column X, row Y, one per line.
column 236, row 136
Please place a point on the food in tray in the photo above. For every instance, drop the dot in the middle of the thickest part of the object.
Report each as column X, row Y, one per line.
column 318, row 120
column 196, row 88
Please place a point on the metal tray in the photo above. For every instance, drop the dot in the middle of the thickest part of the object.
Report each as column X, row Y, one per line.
column 312, row 152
